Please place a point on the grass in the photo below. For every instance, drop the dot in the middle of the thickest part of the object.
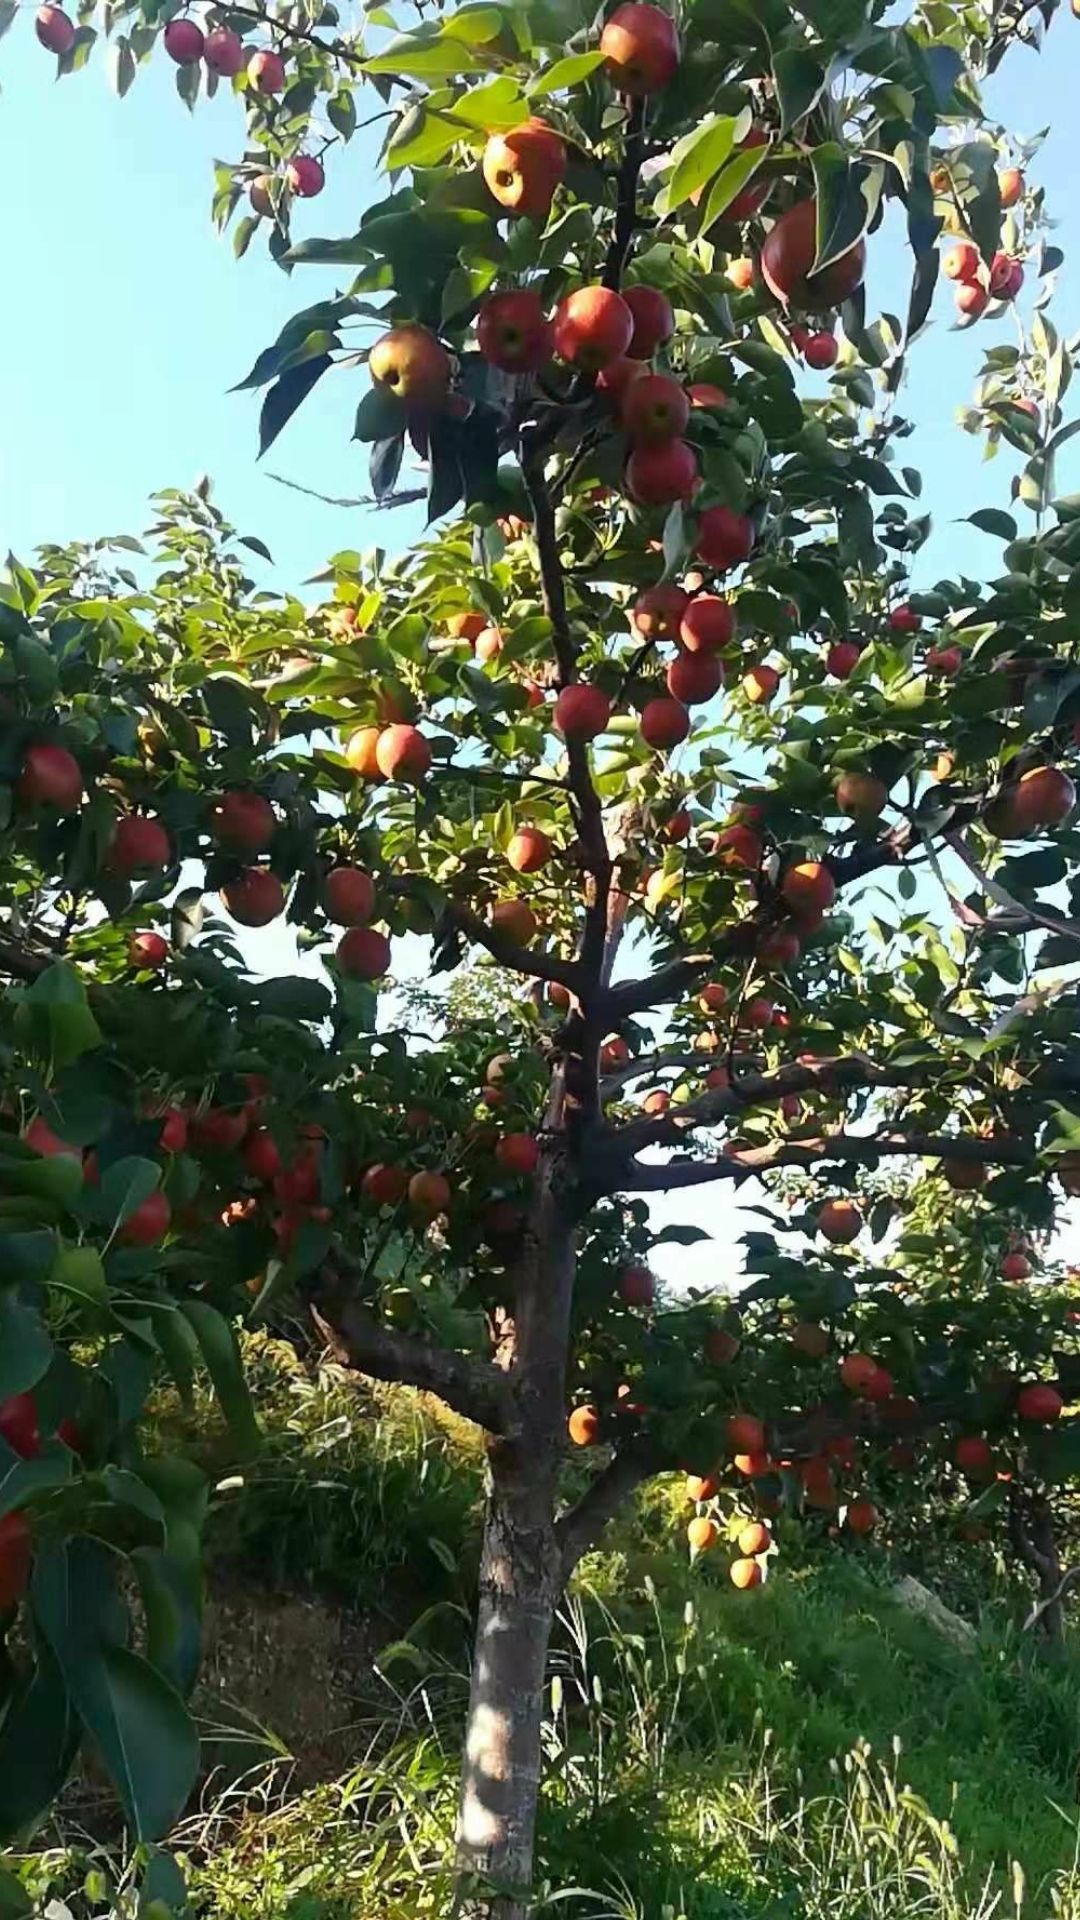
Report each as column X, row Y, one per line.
column 808, row 1751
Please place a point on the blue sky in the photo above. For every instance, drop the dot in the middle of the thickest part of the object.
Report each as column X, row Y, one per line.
column 125, row 320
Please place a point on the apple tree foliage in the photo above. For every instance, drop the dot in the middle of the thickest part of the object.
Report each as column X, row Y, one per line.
column 774, row 895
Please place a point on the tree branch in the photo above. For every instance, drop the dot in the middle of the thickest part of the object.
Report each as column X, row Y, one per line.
column 1028, row 916
column 535, row 962
column 845, row 1073
column 858, row 1150
column 581, row 1526
column 20, row 963
column 626, row 197
column 472, row 1387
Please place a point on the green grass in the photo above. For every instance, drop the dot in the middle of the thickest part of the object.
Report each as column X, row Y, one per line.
column 808, row 1751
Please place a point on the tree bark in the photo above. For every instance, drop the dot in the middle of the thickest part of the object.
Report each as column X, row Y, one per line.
column 521, row 1574
column 520, row 1579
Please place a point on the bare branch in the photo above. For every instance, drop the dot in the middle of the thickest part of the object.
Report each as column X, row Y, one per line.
column 845, row 1073
column 20, row 962
column 1069, row 1579
column 857, row 1149
column 626, row 197
column 1027, row 917
column 581, row 1526
column 535, row 962
column 472, row 1387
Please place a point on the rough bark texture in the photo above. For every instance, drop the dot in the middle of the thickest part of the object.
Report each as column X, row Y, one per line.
column 521, row 1569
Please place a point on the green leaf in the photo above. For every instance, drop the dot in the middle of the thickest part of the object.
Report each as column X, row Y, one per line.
column 680, row 1236
column 992, row 520
column 171, row 1594
column 423, row 58
column 25, row 1346
column 15, row 1902
column 386, row 458
column 21, row 1479
column 973, row 172
column 379, row 416
column 286, row 394
column 730, row 182
column 219, row 1348
column 124, row 1187
column 294, row 998
column 847, row 197
column 698, row 156
column 800, row 82
column 422, row 139
column 568, row 72
column 138, row 1722
column 72, row 1029
column 39, row 1738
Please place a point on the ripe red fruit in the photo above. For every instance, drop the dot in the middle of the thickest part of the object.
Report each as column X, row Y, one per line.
column 655, row 410
column 139, row 842
column 147, row 950
column 840, row 1221
column 1042, row 797
column 523, row 166
column 820, row 351
column 944, row 660
column 364, row 953
column 678, row 826
column 411, row 363
column 745, row 1574
column 701, row 1486
column 664, row 723
column 262, row 1157
column 754, row 1538
column 808, row 887
column 1010, row 186
column 640, row 48
column 781, row 948
column 217, row 1130
column 489, row 644
column 657, row 1101
column 592, row 327
column 861, row 796
column 243, row 822
column 858, row 1371
column 701, row 1534
column 741, row 272
column 974, row 1456
column 149, row 1223
column 788, row 256
column 349, row 896
column 529, row 850
column 224, row 52
column 842, row 658
column 517, row 921
column 745, row 1433
column 617, row 379
column 19, row 1424
column 403, row 753
column 708, row 624
column 972, row 298
column 305, row 176
column 862, row 1516
column 724, row 538
column 583, row 1426
column 636, row 1287
column 739, row 846
column 50, row 777
column 1015, row 1266
column 658, row 476
column 518, row 1153
column 266, row 71
column 1006, row 277
column 385, row 1185
column 429, row 1194
column 721, row 1346
column 694, row 677
column 961, row 261
column 54, row 29
column 904, row 619
column 184, row 42
column 758, row 1014
column 713, row 997
column 1040, row 1403
column 657, row 612
column 513, row 332
column 581, row 711
column 254, row 898
column 654, row 321
column 16, row 1550
column 705, row 397
column 174, row 1130
column 810, row 1338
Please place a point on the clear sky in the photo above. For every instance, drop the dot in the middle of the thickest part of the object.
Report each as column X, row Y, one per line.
column 124, row 320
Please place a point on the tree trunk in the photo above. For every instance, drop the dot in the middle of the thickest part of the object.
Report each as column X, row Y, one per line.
column 521, row 1570
column 519, row 1586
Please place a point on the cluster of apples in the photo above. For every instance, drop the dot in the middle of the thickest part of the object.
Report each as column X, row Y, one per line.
column 977, row 284
column 754, row 1537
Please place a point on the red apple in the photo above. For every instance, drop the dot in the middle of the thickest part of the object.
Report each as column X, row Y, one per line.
column 513, row 332
column 254, row 897
column 364, row 953
column 349, row 896
column 184, row 42
column 654, row 321
column 592, row 327
column 50, row 777
column 224, row 52
column 657, row 476
column 147, row 950
column 640, row 48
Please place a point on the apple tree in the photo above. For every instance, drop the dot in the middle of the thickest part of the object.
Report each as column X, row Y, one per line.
column 769, row 842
